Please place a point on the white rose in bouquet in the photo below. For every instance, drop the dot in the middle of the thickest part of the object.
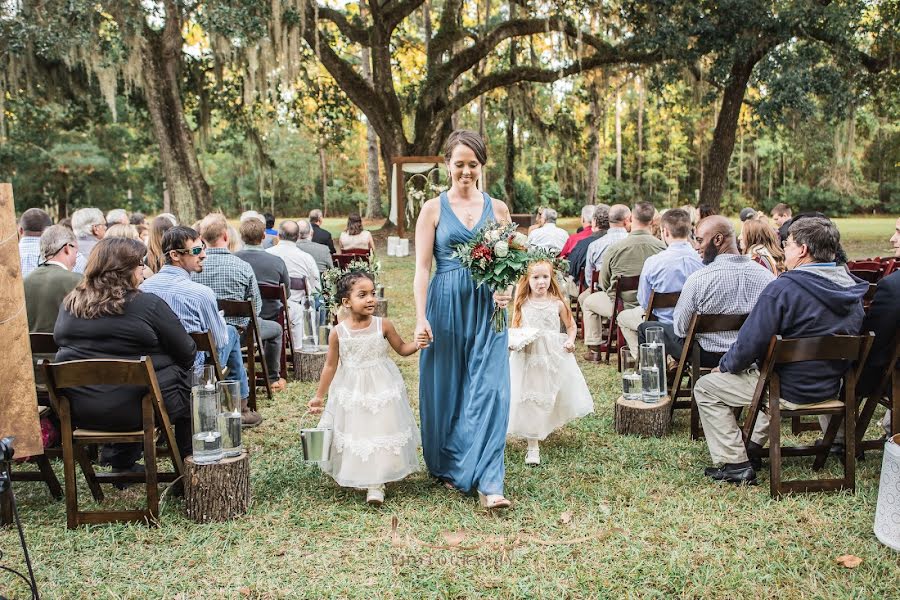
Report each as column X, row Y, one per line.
column 492, row 236
column 520, row 241
column 501, row 249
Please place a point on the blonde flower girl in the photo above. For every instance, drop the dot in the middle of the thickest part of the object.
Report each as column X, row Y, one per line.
column 546, row 385
column 375, row 436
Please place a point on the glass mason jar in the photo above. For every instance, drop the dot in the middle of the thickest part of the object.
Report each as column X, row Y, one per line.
column 230, row 418
column 206, row 436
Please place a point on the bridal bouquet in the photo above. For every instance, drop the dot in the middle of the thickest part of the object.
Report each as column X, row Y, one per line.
column 497, row 255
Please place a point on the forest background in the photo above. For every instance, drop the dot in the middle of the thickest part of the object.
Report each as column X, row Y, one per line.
column 290, row 105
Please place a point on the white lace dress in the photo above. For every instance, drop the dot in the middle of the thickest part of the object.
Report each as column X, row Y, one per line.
column 375, row 436
column 546, row 385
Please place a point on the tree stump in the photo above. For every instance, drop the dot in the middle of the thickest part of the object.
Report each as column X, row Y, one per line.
column 311, row 363
column 217, row 491
column 381, row 307
column 636, row 417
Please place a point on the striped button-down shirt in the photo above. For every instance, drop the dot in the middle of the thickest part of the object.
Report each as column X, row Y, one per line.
column 731, row 285
column 194, row 304
column 594, row 258
column 229, row 278
column 30, row 255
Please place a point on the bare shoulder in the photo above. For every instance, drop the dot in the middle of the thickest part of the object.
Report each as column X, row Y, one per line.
column 500, row 209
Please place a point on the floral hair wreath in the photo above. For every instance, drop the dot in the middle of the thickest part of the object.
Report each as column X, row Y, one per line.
column 560, row 265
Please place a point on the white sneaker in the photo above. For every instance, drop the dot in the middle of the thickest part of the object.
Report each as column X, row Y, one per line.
column 533, row 456
column 375, row 497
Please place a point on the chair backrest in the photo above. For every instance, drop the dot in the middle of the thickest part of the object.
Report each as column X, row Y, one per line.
column 870, row 275
column 268, row 291
column 717, row 323
column 595, row 280
column 206, row 344
column 356, row 251
column 99, row 371
column 299, row 284
column 626, row 283
column 868, row 263
column 42, row 343
column 343, row 260
column 660, row 300
column 826, row 347
column 236, row 308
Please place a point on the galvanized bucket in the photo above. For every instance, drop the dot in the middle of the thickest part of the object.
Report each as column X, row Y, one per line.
column 316, row 444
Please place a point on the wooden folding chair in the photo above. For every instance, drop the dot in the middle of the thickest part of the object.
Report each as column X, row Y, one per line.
column 206, row 344
column 91, row 372
column 890, row 380
column 348, row 256
column 889, row 265
column 850, row 348
column 657, row 300
column 252, row 343
column 690, row 354
column 614, row 338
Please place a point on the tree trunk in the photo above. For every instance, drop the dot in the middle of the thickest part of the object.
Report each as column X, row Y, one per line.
column 718, row 157
column 640, row 131
column 618, row 136
column 373, row 207
column 323, row 165
column 160, row 59
column 217, row 491
column 594, row 145
column 509, row 175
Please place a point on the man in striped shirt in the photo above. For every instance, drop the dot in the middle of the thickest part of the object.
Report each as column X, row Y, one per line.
column 196, row 307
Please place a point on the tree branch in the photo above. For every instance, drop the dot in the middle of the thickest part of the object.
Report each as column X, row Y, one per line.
column 351, row 31
column 394, row 11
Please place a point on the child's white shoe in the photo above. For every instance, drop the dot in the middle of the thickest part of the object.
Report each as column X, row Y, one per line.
column 375, row 496
column 533, row 456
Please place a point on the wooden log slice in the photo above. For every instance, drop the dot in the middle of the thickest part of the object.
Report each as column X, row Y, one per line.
column 381, row 308
column 311, row 364
column 217, row 491
column 636, row 417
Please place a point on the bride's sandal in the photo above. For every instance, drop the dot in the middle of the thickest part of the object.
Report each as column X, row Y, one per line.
column 492, row 501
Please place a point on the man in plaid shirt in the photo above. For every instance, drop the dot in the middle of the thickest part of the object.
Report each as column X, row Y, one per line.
column 233, row 279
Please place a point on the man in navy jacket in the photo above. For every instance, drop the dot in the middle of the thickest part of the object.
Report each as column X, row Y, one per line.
column 815, row 297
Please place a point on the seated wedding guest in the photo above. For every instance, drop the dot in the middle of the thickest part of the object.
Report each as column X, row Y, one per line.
column 664, row 273
column 122, row 231
column 234, row 240
column 195, row 306
column 117, row 216
column 355, row 237
column 549, row 236
column 320, row 236
column 107, row 316
column 143, row 231
column 882, row 318
column 48, row 284
column 814, row 297
column 156, row 258
column 299, row 263
column 32, row 224
column 623, row 259
column 746, row 214
column 758, row 241
column 656, row 225
column 578, row 255
column 538, row 219
column 586, row 229
column 137, row 219
column 781, row 213
column 271, row 234
column 619, row 226
column 705, row 210
column 729, row 284
column 268, row 268
column 90, row 227
column 233, row 279
column 319, row 252
column 170, row 217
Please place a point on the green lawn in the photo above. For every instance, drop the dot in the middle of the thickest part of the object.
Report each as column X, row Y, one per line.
column 604, row 516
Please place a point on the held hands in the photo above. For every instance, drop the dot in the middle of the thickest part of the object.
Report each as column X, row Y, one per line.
column 423, row 335
column 315, row 405
column 569, row 346
column 502, row 298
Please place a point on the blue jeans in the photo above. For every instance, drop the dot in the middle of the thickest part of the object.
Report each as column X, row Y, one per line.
column 234, row 361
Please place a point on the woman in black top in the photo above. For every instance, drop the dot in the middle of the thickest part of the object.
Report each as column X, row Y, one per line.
column 107, row 316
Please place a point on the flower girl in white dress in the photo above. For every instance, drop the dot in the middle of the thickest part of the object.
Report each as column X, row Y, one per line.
column 547, row 389
column 375, row 437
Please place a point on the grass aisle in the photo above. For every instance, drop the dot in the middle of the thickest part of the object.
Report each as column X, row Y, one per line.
column 604, row 516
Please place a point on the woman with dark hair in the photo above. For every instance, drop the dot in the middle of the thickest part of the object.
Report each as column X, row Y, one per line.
column 355, row 237
column 107, row 316
column 464, row 373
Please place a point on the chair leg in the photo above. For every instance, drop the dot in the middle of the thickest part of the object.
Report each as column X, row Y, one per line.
column 89, row 475
column 695, row 419
column 865, row 417
column 150, row 466
column 827, row 440
column 850, row 443
column 774, row 447
column 46, row 468
column 251, row 371
column 262, row 362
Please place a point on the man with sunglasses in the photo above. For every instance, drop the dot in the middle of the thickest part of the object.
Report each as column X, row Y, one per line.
column 52, row 280
column 196, row 305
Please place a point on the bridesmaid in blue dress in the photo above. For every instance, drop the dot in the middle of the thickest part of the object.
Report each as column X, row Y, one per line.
column 464, row 371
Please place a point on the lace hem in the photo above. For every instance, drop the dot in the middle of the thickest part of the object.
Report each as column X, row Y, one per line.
column 372, row 402
column 363, row 448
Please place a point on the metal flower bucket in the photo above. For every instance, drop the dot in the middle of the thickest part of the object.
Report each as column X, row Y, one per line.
column 887, row 511
column 316, row 444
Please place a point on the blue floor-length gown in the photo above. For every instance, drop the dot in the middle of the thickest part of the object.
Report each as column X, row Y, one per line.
column 464, row 374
